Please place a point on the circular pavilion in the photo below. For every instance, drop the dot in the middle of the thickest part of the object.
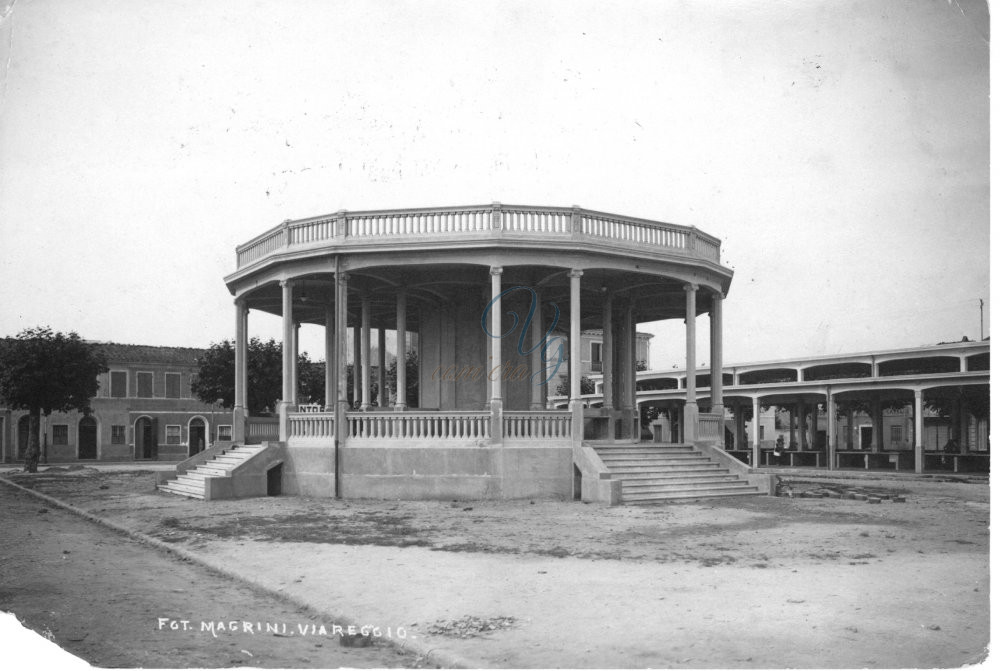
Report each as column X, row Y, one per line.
column 483, row 288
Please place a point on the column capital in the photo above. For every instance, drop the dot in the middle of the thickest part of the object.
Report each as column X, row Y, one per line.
column 496, row 270
column 690, row 286
column 286, row 283
column 342, row 275
column 575, row 272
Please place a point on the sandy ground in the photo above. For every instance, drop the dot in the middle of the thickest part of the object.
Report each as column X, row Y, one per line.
column 100, row 596
column 750, row 582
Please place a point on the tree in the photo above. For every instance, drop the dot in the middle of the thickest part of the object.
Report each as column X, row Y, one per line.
column 216, row 377
column 42, row 371
column 412, row 379
column 587, row 386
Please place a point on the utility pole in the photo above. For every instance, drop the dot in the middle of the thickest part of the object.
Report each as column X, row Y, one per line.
column 980, row 320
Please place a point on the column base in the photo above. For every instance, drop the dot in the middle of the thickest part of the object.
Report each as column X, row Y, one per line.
column 239, row 425
column 690, row 422
column 576, row 421
column 496, row 421
column 284, row 408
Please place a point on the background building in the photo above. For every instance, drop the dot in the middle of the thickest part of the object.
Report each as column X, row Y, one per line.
column 144, row 410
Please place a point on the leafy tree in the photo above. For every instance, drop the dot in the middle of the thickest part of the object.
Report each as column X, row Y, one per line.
column 216, row 377
column 42, row 371
column 587, row 386
column 412, row 379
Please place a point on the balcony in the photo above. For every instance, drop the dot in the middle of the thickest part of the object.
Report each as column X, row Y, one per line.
column 432, row 227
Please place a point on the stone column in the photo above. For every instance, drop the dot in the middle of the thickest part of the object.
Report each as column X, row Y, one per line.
column 628, row 397
column 330, row 370
column 755, row 434
column 295, row 365
column 738, row 425
column 813, row 421
column 918, row 430
column 800, row 417
column 575, row 402
column 831, row 430
column 356, row 364
column 288, row 381
column 963, row 422
column 240, row 396
column 607, row 362
column 691, row 399
column 878, row 440
column 366, row 348
column 382, row 401
column 850, row 429
column 495, row 373
column 716, row 353
column 400, row 350
column 537, row 403
column 340, row 366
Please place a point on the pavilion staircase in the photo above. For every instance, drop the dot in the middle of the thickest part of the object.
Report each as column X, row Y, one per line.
column 655, row 472
column 192, row 482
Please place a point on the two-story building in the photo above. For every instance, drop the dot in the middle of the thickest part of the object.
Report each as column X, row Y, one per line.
column 144, row 410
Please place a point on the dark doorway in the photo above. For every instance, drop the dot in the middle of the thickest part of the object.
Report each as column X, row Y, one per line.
column 866, row 437
column 274, row 481
column 145, row 438
column 22, row 437
column 196, row 436
column 87, row 445
column 577, row 483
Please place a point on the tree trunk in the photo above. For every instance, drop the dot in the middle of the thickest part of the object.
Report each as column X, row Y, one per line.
column 34, row 425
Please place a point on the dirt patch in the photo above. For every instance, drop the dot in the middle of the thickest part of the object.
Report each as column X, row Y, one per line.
column 471, row 626
column 802, row 582
column 744, row 531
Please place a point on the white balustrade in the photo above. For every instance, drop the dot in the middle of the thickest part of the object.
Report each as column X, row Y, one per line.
column 514, row 219
column 418, row 425
column 261, row 429
column 710, row 426
column 312, row 424
column 536, row 425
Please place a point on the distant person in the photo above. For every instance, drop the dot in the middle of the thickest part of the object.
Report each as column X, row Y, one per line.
column 779, row 446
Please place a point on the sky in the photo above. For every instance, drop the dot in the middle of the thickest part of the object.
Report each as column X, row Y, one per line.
column 840, row 150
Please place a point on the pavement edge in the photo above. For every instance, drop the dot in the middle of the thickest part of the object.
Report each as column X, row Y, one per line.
column 437, row 656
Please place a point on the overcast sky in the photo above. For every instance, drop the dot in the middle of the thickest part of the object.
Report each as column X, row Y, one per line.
column 839, row 149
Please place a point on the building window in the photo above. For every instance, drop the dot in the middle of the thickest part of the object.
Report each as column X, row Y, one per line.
column 60, row 434
column 173, row 385
column 225, row 432
column 173, row 434
column 144, row 385
column 117, row 434
column 596, row 362
column 896, row 433
column 119, row 384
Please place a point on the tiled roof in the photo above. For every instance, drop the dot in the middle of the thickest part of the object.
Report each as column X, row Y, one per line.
column 120, row 353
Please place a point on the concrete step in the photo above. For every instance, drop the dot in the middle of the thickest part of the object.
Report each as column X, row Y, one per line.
column 656, row 481
column 707, row 486
column 191, row 479
column 209, row 471
column 173, row 488
column 654, row 460
column 670, row 468
column 183, row 487
column 228, row 461
column 248, row 450
column 688, row 496
column 643, row 449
